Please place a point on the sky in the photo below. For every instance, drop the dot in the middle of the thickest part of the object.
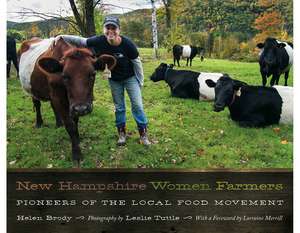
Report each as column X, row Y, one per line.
column 63, row 7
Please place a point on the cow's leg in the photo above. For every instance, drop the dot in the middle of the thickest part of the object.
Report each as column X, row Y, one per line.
column 174, row 60
column 286, row 76
column 71, row 125
column 8, row 64
column 178, row 61
column 275, row 79
column 58, row 120
column 15, row 62
column 190, row 61
column 76, row 119
column 187, row 62
column 37, row 106
column 264, row 78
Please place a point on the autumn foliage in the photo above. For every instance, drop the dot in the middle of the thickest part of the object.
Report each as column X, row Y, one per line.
column 268, row 24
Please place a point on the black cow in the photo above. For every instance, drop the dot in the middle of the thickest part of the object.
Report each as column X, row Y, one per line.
column 11, row 55
column 253, row 106
column 185, row 83
column 188, row 52
column 275, row 58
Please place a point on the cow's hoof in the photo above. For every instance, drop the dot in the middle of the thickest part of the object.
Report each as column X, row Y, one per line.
column 38, row 125
column 76, row 163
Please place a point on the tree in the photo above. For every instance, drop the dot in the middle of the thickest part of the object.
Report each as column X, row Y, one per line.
column 154, row 30
column 285, row 7
column 83, row 11
column 57, row 31
column 18, row 35
column 136, row 30
column 270, row 22
column 34, row 31
column 27, row 12
column 213, row 14
column 168, row 5
column 84, row 15
column 98, row 16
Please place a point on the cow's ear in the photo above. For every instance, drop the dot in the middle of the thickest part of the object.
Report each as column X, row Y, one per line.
column 237, row 84
column 171, row 66
column 260, row 45
column 281, row 45
column 100, row 62
column 290, row 44
column 210, row 83
column 50, row 65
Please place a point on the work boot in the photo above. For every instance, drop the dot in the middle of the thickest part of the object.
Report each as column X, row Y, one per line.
column 122, row 136
column 143, row 137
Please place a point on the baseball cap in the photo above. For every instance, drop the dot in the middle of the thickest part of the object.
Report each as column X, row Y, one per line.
column 111, row 20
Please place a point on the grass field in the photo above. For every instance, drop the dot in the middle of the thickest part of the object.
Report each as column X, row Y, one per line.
column 184, row 133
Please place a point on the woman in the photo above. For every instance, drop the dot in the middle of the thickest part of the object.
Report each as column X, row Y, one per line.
column 127, row 74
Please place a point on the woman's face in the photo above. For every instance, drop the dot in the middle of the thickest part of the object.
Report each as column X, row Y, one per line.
column 111, row 32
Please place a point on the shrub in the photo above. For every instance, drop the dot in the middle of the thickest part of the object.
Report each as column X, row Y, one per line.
column 199, row 39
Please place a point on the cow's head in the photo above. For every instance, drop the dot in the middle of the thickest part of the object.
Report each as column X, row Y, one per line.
column 269, row 54
column 225, row 90
column 75, row 72
column 160, row 72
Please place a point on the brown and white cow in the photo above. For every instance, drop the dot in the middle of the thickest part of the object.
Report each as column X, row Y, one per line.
column 63, row 75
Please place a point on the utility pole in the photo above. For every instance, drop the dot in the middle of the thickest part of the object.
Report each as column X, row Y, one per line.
column 154, row 30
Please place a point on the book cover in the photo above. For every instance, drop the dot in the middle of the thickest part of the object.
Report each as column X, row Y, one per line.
column 150, row 116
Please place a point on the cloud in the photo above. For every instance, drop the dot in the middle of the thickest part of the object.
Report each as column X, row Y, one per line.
column 36, row 5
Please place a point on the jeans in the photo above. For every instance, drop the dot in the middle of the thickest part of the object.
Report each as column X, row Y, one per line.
column 134, row 92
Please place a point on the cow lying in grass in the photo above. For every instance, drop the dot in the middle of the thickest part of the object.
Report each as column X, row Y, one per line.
column 253, row 106
column 63, row 75
column 185, row 83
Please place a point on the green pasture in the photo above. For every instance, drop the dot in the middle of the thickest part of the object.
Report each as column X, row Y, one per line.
column 184, row 133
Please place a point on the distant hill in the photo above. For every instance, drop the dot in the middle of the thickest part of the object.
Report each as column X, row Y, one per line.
column 135, row 24
column 139, row 12
column 10, row 24
column 45, row 26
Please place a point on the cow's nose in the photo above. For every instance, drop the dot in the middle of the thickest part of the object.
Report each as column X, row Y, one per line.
column 218, row 107
column 82, row 109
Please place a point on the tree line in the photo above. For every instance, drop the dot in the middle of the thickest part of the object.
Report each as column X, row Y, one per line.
column 226, row 29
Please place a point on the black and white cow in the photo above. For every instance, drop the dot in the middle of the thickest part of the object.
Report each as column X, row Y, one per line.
column 185, row 83
column 253, row 106
column 275, row 59
column 188, row 52
column 11, row 54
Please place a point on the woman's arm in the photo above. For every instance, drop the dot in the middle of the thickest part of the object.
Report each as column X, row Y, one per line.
column 75, row 40
column 138, row 70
